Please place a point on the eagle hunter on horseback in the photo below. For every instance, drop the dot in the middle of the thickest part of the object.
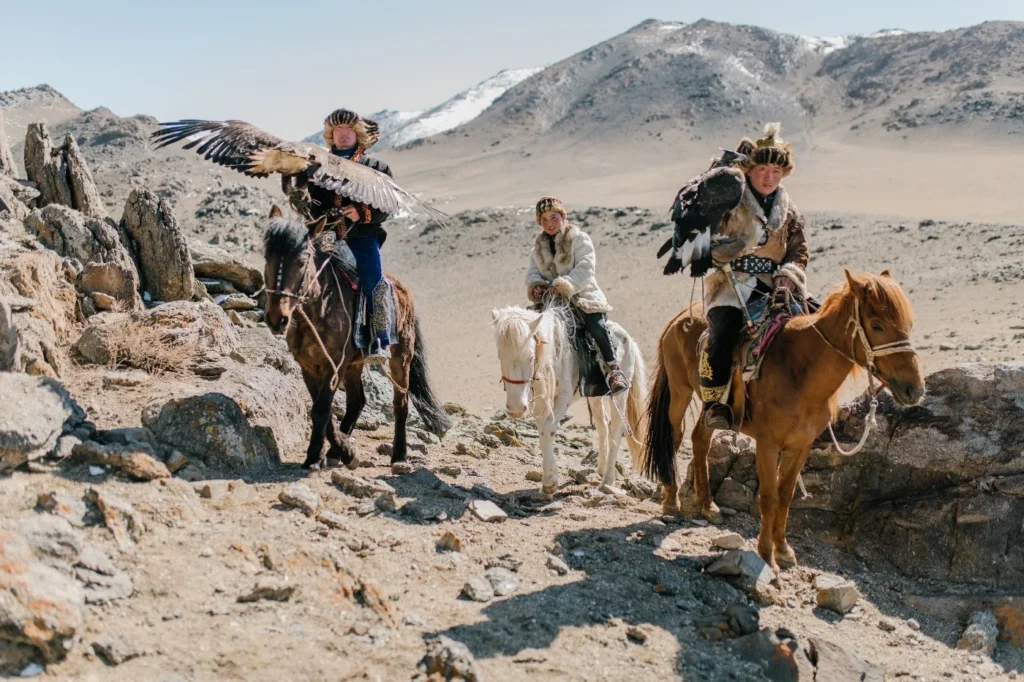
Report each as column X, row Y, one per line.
column 737, row 223
column 326, row 290
column 545, row 362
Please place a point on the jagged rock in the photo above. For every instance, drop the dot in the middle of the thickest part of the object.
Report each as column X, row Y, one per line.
column 981, row 634
column 42, row 608
column 121, row 518
column 24, row 191
column 137, row 460
column 745, row 569
column 835, row 593
column 10, row 347
column 36, row 412
column 7, row 166
column 211, row 262
column 734, row 495
column 64, row 505
column 780, row 660
column 11, row 205
column 487, row 511
column 115, row 649
column 729, row 541
column 478, row 589
column 43, row 306
column 235, row 302
column 299, row 495
column 61, row 174
column 159, row 247
column 447, row 659
column 360, row 487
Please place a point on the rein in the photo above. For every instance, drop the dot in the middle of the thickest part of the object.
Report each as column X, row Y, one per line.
column 870, row 353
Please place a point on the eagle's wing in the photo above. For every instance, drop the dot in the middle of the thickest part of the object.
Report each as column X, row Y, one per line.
column 697, row 211
column 247, row 149
column 238, row 145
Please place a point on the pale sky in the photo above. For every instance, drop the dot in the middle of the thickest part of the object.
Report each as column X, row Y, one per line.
column 285, row 67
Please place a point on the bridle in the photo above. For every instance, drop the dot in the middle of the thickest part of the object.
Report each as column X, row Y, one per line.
column 870, row 353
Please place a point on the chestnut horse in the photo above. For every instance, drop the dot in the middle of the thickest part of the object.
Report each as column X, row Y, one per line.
column 313, row 303
column 866, row 324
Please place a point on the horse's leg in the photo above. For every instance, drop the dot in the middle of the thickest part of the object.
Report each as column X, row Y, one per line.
column 768, row 498
column 700, row 503
column 788, row 473
column 597, row 410
column 614, row 440
column 341, row 445
column 548, row 426
column 401, row 360
column 355, row 397
column 320, row 390
column 679, row 402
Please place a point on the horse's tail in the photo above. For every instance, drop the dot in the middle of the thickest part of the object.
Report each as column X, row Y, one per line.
column 658, row 460
column 422, row 396
column 636, row 400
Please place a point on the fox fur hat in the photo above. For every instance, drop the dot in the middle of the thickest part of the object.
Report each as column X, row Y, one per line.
column 549, row 204
column 367, row 131
column 770, row 149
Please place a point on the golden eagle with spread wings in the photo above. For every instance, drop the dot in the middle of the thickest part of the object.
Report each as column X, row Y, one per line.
column 249, row 150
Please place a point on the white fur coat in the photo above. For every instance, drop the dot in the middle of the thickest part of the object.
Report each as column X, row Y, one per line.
column 570, row 272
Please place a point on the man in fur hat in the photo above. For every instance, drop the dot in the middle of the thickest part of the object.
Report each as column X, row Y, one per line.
column 767, row 231
column 563, row 263
column 350, row 136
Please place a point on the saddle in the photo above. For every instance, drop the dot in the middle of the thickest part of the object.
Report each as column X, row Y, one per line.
column 769, row 318
column 362, row 331
column 592, row 382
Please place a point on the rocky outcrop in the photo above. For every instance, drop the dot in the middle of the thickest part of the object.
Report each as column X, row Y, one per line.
column 43, row 304
column 937, row 491
column 10, row 351
column 246, row 421
column 36, row 413
column 12, row 198
column 159, row 247
column 61, row 174
column 211, row 262
column 7, row 165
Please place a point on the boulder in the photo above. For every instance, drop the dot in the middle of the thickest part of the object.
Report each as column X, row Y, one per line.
column 937, row 491
column 136, row 460
column 245, row 421
column 61, row 174
column 43, row 307
column 447, row 659
column 212, row 262
column 37, row 411
column 832, row 662
column 7, row 166
column 168, row 336
column 835, row 593
column 981, row 633
column 159, row 247
column 11, row 206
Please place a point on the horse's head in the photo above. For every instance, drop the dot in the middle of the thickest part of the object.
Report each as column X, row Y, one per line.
column 516, row 331
column 886, row 319
column 286, row 252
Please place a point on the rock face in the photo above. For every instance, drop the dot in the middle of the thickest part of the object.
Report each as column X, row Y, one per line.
column 937, row 491
column 109, row 267
column 211, row 262
column 160, row 249
column 248, row 419
column 37, row 411
column 10, row 351
column 7, row 165
column 61, row 174
column 11, row 205
column 43, row 309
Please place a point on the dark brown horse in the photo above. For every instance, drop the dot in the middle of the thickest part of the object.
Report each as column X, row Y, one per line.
column 311, row 300
column 866, row 324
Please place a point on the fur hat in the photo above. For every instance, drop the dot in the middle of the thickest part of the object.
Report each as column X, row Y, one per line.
column 549, row 204
column 770, row 149
column 367, row 131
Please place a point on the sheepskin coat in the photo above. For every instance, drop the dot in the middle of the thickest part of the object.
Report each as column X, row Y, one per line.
column 569, row 269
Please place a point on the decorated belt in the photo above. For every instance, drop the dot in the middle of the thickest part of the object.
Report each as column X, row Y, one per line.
column 755, row 265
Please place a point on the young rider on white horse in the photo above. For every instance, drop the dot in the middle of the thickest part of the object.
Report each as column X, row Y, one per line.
column 563, row 263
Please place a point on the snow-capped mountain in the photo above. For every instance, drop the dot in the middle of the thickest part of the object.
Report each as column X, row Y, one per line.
column 828, row 45
column 402, row 127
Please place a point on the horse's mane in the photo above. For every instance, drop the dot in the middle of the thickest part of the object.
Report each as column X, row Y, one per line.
column 512, row 327
column 284, row 238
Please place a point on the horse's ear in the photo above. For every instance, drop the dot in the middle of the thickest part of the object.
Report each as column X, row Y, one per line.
column 885, row 273
column 494, row 315
column 275, row 212
column 316, row 226
column 851, row 279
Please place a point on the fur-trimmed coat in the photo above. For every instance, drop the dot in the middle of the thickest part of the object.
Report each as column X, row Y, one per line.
column 569, row 270
column 746, row 230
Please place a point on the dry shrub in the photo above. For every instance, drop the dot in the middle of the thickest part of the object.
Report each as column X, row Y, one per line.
column 137, row 342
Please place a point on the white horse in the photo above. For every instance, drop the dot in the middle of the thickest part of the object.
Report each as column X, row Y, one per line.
column 540, row 371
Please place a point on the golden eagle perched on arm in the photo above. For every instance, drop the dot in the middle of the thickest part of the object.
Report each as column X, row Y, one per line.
column 249, row 150
column 697, row 211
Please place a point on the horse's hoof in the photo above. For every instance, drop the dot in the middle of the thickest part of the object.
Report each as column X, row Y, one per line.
column 713, row 514
column 547, row 492
column 785, row 556
column 401, row 468
column 311, row 465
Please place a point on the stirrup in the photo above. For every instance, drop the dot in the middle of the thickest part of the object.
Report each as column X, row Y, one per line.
column 617, row 382
column 718, row 416
column 377, row 354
